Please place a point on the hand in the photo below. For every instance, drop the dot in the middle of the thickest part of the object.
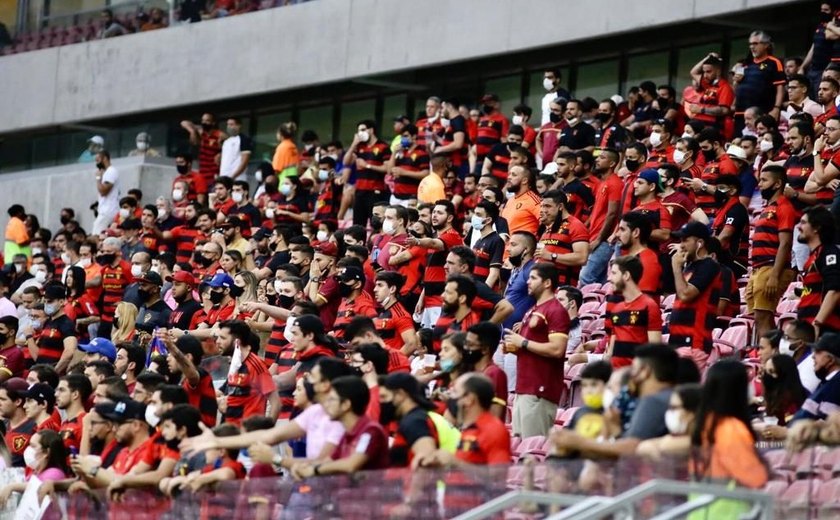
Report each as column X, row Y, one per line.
column 206, row 440
column 774, row 432
column 771, row 288
column 78, row 487
column 249, row 306
column 303, row 470
column 5, row 493
column 396, row 172
column 262, row 453
column 789, row 191
column 673, row 248
column 833, row 184
column 412, row 241
column 221, row 403
column 116, row 489
column 775, row 113
column 694, row 108
column 174, row 334
column 46, row 488
column 696, row 184
column 820, row 143
column 517, row 327
column 801, row 434
column 565, row 439
column 513, row 341
column 679, row 259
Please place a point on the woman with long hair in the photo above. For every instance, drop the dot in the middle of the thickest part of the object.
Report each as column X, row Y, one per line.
column 246, row 284
column 310, row 342
column 231, row 262
column 783, row 396
column 125, row 328
column 80, row 307
column 46, row 456
column 723, row 442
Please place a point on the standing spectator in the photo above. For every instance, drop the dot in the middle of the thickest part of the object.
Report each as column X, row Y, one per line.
column 717, row 163
column 11, row 354
column 236, row 150
column 490, row 247
column 56, row 344
column 286, row 155
column 548, row 136
column 604, row 217
column 108, row 187
column 209, row 141
column 409, row 165
column 644, row 112
column 636, row 319
column 521, row 117
column 609, row 133
column 771, row 249
column 645, row 189
column 369, row 154
column 723, row 439
column 661, row 149
column 551, row 83
column 355, row 300
column 731, row 225
column 157, row 20
column 763, row 85
column 578, row 135
column 522, row 210
column 820, row 302
column 540, row 345
column 455, row 142
column 821, row 52
column 110, row 27
column 95, row 145
column 116, row 276
column 564, row 241
column 17, row 237
column 429, row 124
column 698, row 284
column 492, row 127
column 714, row 103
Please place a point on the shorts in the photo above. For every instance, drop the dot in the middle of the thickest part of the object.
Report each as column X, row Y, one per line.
column 533, row 415
column 757, row 300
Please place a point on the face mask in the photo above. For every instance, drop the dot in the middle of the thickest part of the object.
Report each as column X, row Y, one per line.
column 50, row 309
column 674, row 424
column 554, row 118
column 387, row 413
column 232, row 131
column 405, row 143
column 603, row 118
column 269, row 213
column 631, row 165
column 376, row 223
column 548, row 84
column 765, row 146
column 709, row 155
column 344, row 290
column 258, row 175
column 607, row 398
column 594, row 401
column 124, row 213
column 826, row 17
column 471, row 357
column 286, row 301
column 142, row 146
column 487, row 109
column 29, row 457
column 37, row 251
column 679, row 156
column 388, row 227
column 785, row 348
column 65, row 258
column 217, row 297
column 207, row 126
column 364, row 136
column 477, row 222
column 19, row 268
column 321, row 236
column 323, row 175
column 573, row 121
column 655, row 139
column 143, row 294
column 64, row 220
column 84, row 263
column 100, row 166
column 447, row 365
column 287, row 331
column 41, row 276
column 721, row 196
column 177, row 195
column 821, row 373
column 285, row 189
column 515, row 260
column 768, row 193
column 162, row 214
column 151, row 415
column 237, row 196
column 517, row 120
column 444, row 122
column 136, row 270
column 203, row 261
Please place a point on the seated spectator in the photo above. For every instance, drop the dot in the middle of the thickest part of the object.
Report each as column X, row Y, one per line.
column 157, row 20
column 680, row 421
column 110, row 26
column 826, row 398
column 783, row 397
column 47, row 457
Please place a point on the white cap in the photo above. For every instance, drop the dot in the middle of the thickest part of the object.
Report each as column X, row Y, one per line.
column 617, row 99
column 550, row 168
column 97, row 139
column 736, row 152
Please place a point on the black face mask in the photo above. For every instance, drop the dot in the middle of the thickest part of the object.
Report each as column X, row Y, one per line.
column 100, row 166
column 515, row 260
column 376, row 223
column 217, row 297
column 415, row 234
column 826, row 17
column 106, row 259
column 471, row 357
column 452, row 406
column 721, row 196
column 603, row 118
column 3, row 338
column 710, row 155
column 768, row 193
column 207, row 126
column 387, row 413
column 821, row 373
column 65, row 220
column 203, row 261
column 182, row 168
column 116, row 322
column 285, row 301
column 270, row 187
column 631, row 165
column 663, row 103
column 173, row 444
column 555, row 118
column 345, row 290
column 143, row 294
column 487, row 109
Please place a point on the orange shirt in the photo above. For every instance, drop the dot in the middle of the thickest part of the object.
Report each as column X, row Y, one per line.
column 16, row 231
column 285, row 155
column 522, row 212
column 733, row 456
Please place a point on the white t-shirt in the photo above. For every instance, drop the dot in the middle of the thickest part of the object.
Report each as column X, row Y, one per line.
column 7, row 308
column 546, row 108
column 110, row 204
column 232, row 149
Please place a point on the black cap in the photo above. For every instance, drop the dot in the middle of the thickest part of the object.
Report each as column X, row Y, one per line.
column 151, row 277
column 131, row 223
column 55, row 291
column 729, row 180
column 693, row 229
column 261, row 234
column 233, row 221
column 42, row 393
column 351, row 273
column 829, row 342
column 410, row 385
column 121, row 411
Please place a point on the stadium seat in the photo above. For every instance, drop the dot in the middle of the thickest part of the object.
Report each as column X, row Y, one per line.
column 733, row 340
column 776, row 487
column 590, row 288
column 565, row 416
column 787, row 306
column 828, row 499
column 806, row 463
column 591, row 308
column 536, row 446
column 798, row 498
column 668, row 303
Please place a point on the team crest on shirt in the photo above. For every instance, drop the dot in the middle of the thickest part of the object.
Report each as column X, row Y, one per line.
column 147, row 318
column 19, row 443
column 634, row 317
column 831, row 260
column 730, row 221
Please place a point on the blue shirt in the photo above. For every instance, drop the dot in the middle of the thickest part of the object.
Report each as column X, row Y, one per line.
column 748, row 182
column 517, row 294
column 822, row 401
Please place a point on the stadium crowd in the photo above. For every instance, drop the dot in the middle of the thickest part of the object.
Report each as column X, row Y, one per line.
column 436, row 291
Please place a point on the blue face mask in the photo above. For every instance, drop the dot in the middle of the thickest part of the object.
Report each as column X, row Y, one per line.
column 285, row 189
column 405, row 142
column 447, row 365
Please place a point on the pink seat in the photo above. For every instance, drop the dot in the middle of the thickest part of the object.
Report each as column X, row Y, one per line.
column 591, row 308
column 590, row 288
column 775, row 487
column 828, row 499
column 799, row 496
column 732, row 340
column 565, row 416
column 787, row 306
column 530, row 443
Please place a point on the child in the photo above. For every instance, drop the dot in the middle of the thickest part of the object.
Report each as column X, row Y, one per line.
column 588, row 421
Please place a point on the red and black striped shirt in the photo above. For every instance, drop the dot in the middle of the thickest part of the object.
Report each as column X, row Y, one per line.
column 580, row 195
column 488, row 253
column 499, row 157
column 822, row 274
column 415, row 159
column 491, row 129
column 457, row 124
column 424, row 127
column 329, row 200
column 799, row 168
column 734, row 215
column 209, row 147
column 203, row 397
column 185, row 239
column 51, row 340
column 692, row 323
column 114, row 282
column 391, row 323
column 713, row 170
column 362, row 305
column 447, row 324
column 248, row 389
column 374, row 155
column 560, row 242
column 776, row 217
column 435, row 278
column 631, row 322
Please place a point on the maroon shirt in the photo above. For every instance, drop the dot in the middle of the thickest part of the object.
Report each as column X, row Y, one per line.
column 13, row 361
column 535, row 374
column 366, row 437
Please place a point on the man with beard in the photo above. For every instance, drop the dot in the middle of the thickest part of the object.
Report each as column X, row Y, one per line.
column 130, row 362
column 394, row 323
column 355, row 301
column 636, row 318
column 820, row 303
column 430, row 301
column 369, row 155
column 645, row 189
column 564, row 241
column 457, row 314
column 827, row 98
column 605, row 215
column 633, row 234
column 197, row 229
column 578, row 135
column 771, row 249
column 224, row 303
column 540, row 345
column 731, row 225
column 522, row 209
column 717, row 163
column 116, row 276
column 71, row 394
column 154, row 312
column 698, row 283
column 185, row 315
column 580, row 195
column 827, row 168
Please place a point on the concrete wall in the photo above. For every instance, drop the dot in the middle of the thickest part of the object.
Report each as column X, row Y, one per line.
column 45, row 191
column 313, row 43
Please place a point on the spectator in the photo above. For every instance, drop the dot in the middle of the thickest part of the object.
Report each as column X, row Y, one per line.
column 17, row 237
column 796, row 342
column 636, row 319
column 819, row 304
column 564, row 241
column 286, row 156
column 71, row 396
column 826, row 397
column 713, row 104
column 47, row 457
column 717, row 163
column 819, row 55
column 209, row 140
column 454, row 143
column 19, row 427
column 108, row 187
column 827, row 97
column 578, row 135
column 680, row 419
column 731, row 224
column 588, row 420
column 143, row 141
column 110, row 26
column 609, row 133
column 156, row 21
column 799, row 102
column 783, row 396
column 763, row 85
column 604, row 217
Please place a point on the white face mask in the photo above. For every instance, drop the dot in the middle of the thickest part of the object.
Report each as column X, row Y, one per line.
column 37, row 251
column 277, row 285
column 287, row 332
column 235, row 361
column 124, row 213
column 679, row 156
column 321, row 236
column 573, row 121
column 269, row 213
column 548, row 84
column 177, row 195
column 364, row 136
column 517, row 120
column 686, row 135
column 323, row 174
column 784, row 347
column 19, row 268
column 151, row 415
column 162, row 214
column 608, row 398
column 30, row 458
column 237, row 196
column 388, row 227
column 84, row 262
column 476, row 222
column 444, row 122
column 655, row 139
column 40, row 276
column 136, row 270
column 142, row 146
column 765, row 146
column 258, row 176
column 674, row 424
column 65, row 258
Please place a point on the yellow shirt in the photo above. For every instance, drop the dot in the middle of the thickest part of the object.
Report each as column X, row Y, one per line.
column 431, row 189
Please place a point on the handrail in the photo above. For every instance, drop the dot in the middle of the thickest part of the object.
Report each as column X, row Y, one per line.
column 515, row 498
column 74, row 18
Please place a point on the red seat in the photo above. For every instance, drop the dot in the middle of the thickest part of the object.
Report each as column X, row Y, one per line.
column 591, row 308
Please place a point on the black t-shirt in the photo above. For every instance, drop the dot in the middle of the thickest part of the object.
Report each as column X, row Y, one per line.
column 414, row 426
column 154, row 316
column 758, row 88
column 51, row 339
column 250, row 211
column 279, row 258
column 183, row 314
column 578, row 137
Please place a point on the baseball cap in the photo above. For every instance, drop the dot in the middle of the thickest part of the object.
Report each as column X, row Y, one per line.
column 489, row 97
column 327, row 249
column 42, row 393
column 410, row 385
column 221, row 280
column 829, row 342
column 151, row 277
column 122, row 410
column 97, row 139
column 16, row 385
column 352, row 273
column 100, row 346
column 261, row 234
column 693, row 229
column 550, row 168
column 181, row 276
column 233, row 221
column 729, row 180
column 652, row 176
column 736, row 152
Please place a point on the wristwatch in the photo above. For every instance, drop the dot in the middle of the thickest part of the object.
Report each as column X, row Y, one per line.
column 316, row 469
column 524, row 344
column 276, row 461
column 553, row 257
